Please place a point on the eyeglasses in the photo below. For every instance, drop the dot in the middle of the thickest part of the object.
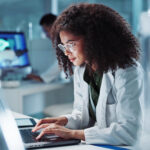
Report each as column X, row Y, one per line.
column 68, row 47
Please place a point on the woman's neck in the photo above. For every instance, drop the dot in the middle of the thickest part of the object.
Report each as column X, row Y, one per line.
column 94, row 67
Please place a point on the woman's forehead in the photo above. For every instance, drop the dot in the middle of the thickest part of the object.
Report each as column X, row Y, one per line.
column 67, row 36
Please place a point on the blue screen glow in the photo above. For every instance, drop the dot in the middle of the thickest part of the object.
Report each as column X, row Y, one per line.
column 13, row 50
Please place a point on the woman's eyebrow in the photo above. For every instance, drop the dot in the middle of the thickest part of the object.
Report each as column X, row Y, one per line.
column 70, row 41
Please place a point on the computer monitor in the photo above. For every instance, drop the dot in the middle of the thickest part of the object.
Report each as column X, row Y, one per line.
column 13, row 50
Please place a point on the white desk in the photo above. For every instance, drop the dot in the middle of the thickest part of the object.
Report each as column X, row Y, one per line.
column 14, row 96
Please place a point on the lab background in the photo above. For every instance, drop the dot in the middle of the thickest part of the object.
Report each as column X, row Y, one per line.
column 52, row 99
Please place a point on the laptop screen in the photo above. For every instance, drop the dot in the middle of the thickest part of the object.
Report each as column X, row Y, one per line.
column 13, row 50
column 10, row 138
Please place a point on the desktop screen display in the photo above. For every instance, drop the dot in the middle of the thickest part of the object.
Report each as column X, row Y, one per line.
column 13, row 50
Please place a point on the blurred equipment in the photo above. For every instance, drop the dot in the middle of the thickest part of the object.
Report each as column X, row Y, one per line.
column 145, row 23
column 14, row 61
column 144, row 37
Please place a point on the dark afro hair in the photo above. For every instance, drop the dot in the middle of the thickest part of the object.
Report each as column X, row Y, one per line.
column 107, row 37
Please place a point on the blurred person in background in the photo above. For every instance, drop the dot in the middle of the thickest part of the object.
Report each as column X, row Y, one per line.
column 52, row 72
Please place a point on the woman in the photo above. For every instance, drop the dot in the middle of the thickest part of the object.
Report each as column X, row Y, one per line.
column 108, row 80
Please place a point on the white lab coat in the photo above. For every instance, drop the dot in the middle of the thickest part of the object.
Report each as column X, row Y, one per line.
column 51, row 73
column 118, row 108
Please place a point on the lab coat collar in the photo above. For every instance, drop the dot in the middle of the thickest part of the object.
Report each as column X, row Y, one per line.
column 106, row 86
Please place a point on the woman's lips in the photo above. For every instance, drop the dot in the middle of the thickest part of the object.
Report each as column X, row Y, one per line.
column 71, row 59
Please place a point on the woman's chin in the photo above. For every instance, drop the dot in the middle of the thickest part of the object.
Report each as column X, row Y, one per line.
column 77, row 64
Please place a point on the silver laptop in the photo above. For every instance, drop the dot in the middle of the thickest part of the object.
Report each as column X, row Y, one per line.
column 12, row 138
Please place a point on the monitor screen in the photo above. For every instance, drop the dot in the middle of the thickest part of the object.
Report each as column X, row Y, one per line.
column 13, row 50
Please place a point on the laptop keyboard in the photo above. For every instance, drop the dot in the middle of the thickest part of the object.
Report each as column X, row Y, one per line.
column 30, row 137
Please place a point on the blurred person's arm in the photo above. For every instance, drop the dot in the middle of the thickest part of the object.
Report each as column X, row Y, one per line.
column 35, row 77
column 51, row 73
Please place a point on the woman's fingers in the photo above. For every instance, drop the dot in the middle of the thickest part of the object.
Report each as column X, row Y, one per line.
column 48, row 130
column 57, row 130
column 39, row 127
column 45, row 131
column 43, row 121
column 38, row 124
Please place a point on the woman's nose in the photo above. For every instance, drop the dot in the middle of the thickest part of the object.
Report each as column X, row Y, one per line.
column 67, row 52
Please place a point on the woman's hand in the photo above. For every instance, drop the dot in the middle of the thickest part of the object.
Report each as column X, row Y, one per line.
column 54, row 129
column 34, row 77
column 60, row 131
column 47, row 121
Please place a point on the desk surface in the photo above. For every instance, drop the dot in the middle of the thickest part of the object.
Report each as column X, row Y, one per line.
column 31, row 87
column 15, row 96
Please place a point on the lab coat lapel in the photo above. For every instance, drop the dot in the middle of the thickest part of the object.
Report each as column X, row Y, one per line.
column 85, row 111
column 106, row 86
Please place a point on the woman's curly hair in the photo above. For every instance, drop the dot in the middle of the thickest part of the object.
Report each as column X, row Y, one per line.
column 107, row 37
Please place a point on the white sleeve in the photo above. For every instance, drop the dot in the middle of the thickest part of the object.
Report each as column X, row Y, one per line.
column 51, row 73
column 129, row 87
